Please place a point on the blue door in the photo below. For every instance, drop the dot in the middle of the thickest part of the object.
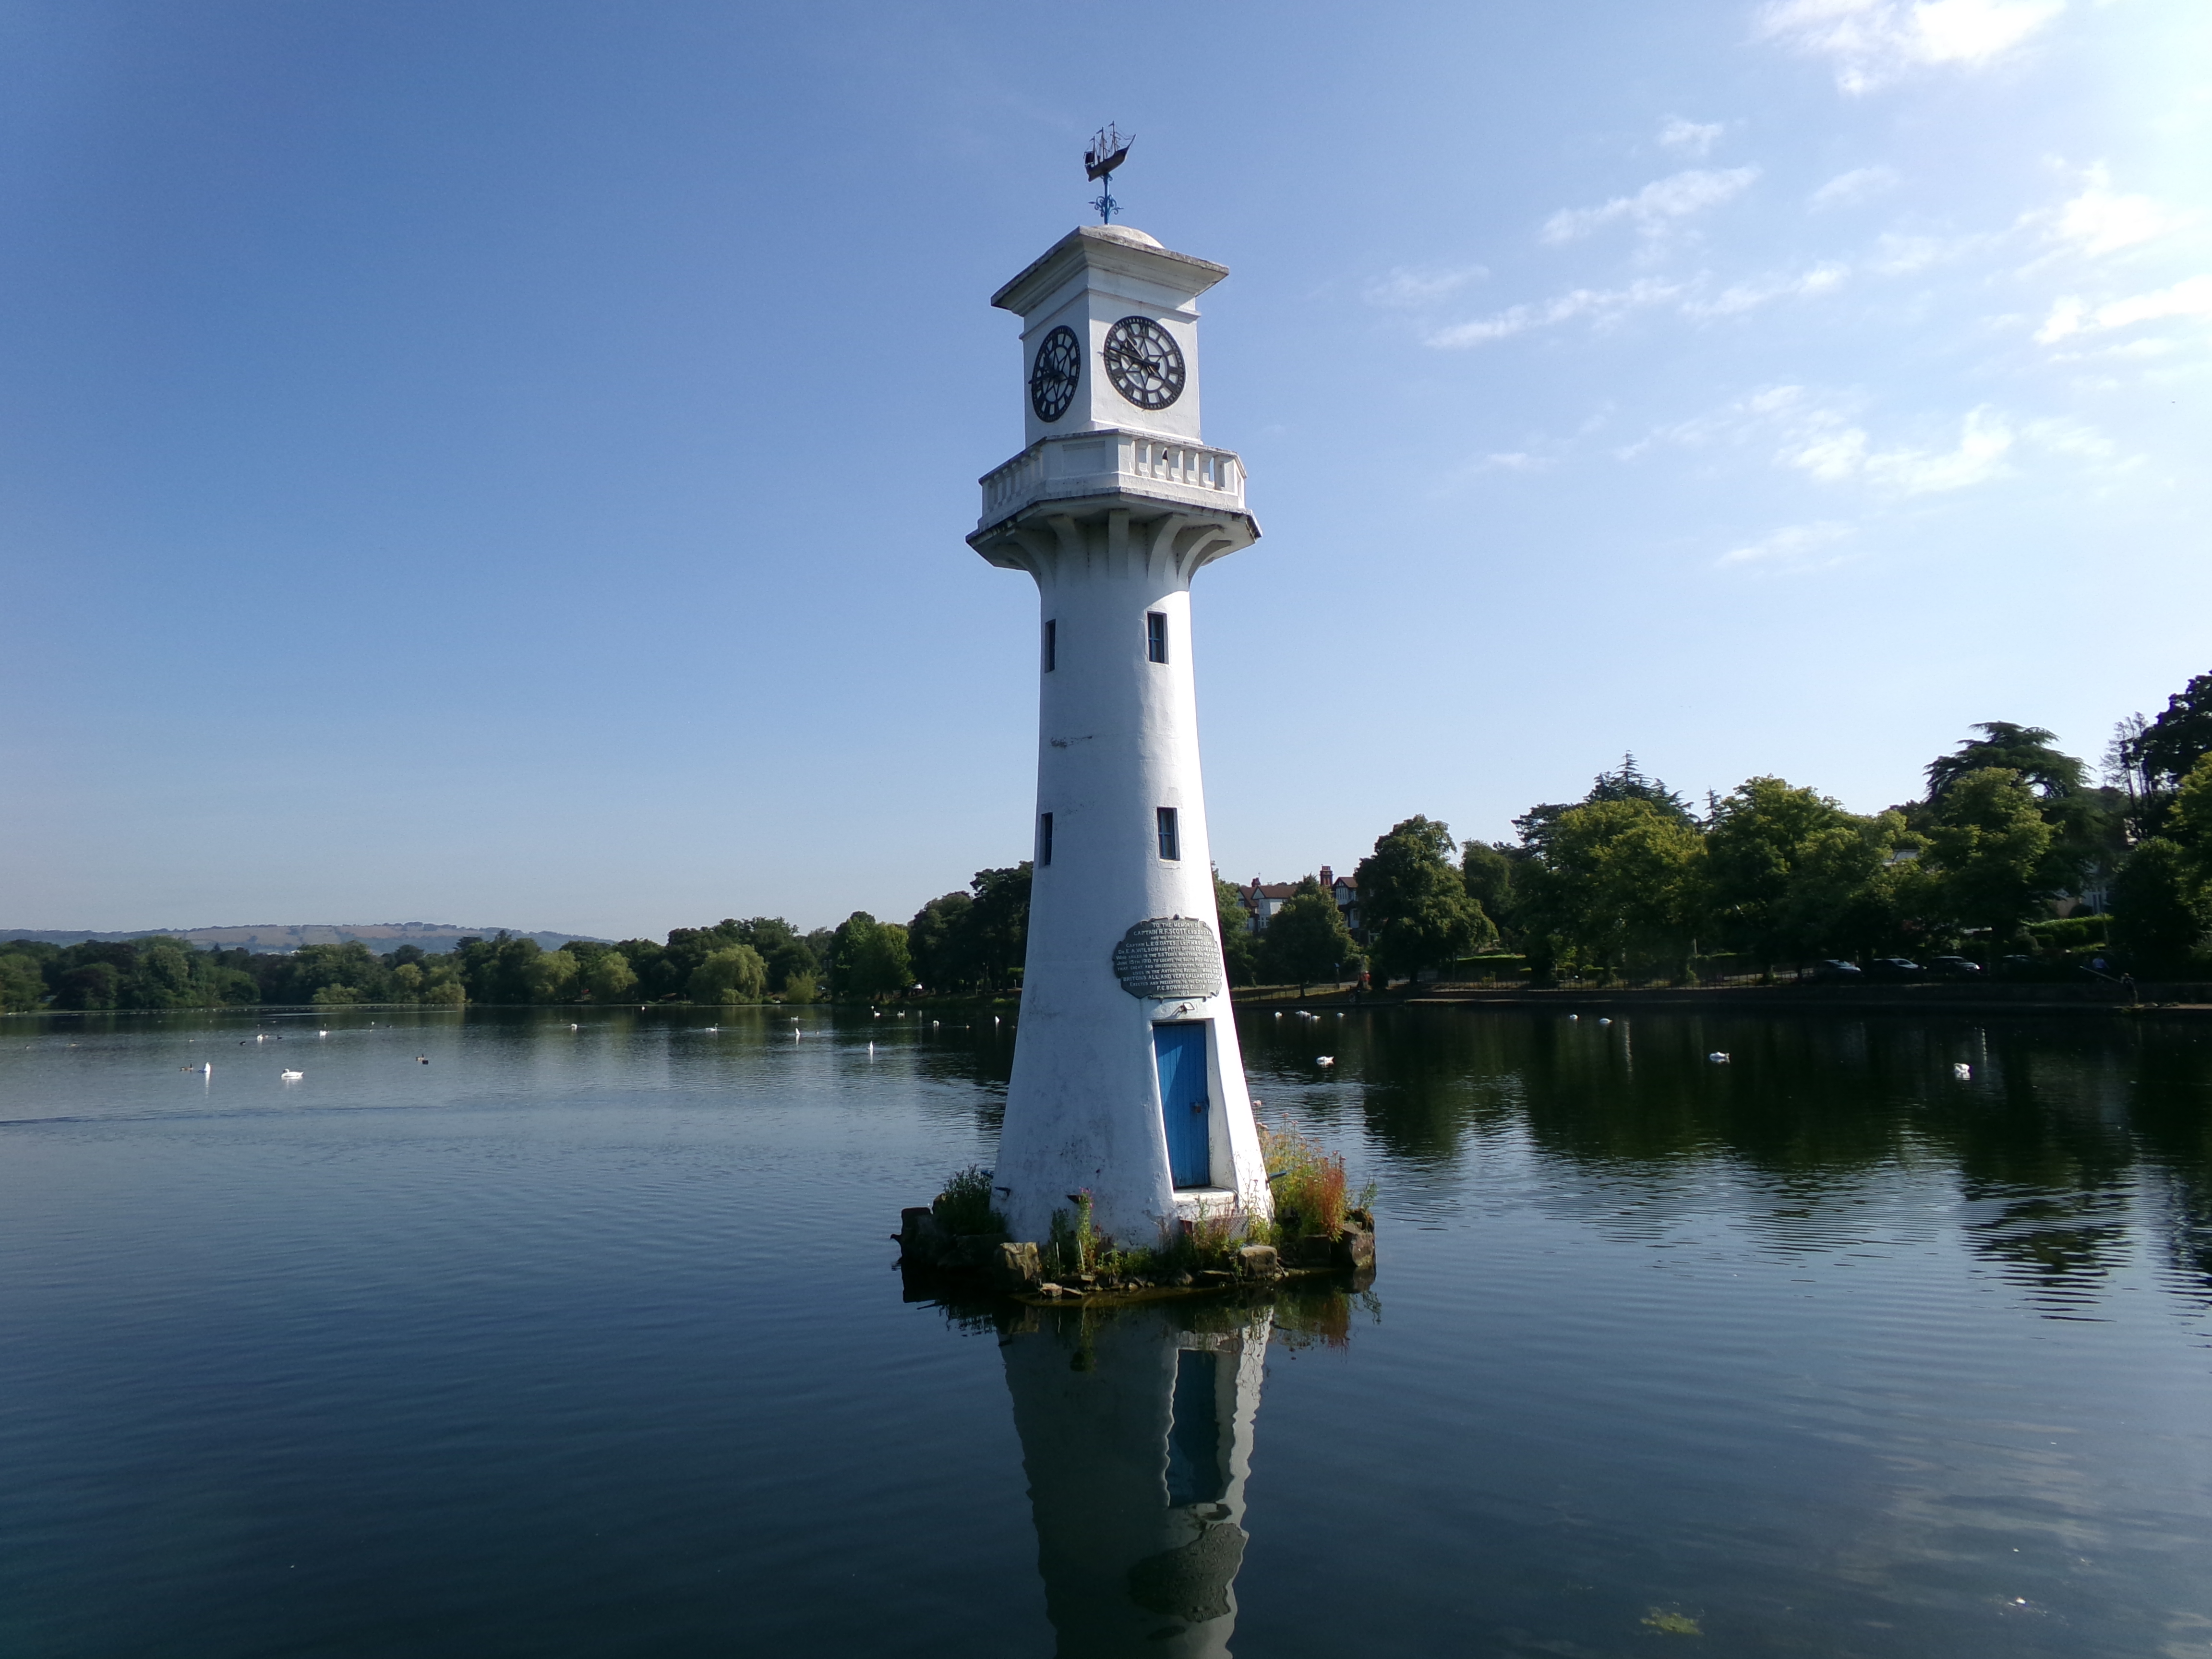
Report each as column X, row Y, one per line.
column 1181, row 1051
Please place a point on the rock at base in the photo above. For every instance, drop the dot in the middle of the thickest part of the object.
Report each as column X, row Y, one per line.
column 1017, row 1267
column 1307, row 1254
column 1259, row 1262
column 1353, row 1250
column 923, row 1240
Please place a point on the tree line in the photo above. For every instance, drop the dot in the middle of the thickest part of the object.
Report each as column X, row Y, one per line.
column 973, row 940
column 1629, row 880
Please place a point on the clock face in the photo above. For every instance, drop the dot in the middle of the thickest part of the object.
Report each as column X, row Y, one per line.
column 1054, row 375
column 1144, row 362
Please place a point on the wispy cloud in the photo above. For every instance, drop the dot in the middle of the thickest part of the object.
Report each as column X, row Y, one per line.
column 1898, row 254
column 1793, row 547
column 1656, row 207
column 1836, row 455
column 1827, row 441
column 1693, row 298
column 1409, row 287
column 1849, row 189
column 2071, row 316
column 1874, row 42
column 2101, row 221
column 1690, row 137
column 1602, row 304
column 1750, row 295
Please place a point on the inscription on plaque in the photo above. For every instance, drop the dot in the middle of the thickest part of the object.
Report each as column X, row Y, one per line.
column 1169, row 957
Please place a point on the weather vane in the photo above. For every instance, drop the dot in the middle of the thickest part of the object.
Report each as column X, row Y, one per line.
column 1109, row 150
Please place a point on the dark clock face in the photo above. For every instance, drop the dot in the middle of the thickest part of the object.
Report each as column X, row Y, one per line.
column 1054, row 375
column 1144, row 362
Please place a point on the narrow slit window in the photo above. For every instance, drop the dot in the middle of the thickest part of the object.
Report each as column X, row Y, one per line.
column 1170, row 836
column 1044, row 839
column 1051, row 645
column 1156, row 635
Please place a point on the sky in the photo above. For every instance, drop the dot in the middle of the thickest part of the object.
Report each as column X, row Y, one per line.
column 508, row 464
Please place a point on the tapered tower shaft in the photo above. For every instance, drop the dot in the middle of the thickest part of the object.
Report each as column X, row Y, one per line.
column 1128, row 1082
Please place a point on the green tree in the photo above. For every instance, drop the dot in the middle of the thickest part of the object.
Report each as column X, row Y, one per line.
column 940, row 939
column 1306, row 938
column 869, row 959
column 447, row 993
column 1232, row 924
column 1626, row 782
column 351, row 966
column 733, row 974
column 1991, row 847
column 2086, row 824
column 2169, row 749
column 610, row 978
column 2030, row 750
column 1002, row 923
column 88, row 985
column 162, row 977
column 1622, row 880
column 1415, row 904
column 496, row 970
column 550, row 976
column 1791, row 875
column 2190, row 823
column 2161, row 912
column 21, row 984
column 1489, row 872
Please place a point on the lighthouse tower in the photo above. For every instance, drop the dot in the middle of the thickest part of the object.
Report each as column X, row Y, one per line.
column 1127, row 1079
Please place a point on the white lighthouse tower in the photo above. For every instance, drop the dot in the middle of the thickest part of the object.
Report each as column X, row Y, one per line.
column 1127, row 1079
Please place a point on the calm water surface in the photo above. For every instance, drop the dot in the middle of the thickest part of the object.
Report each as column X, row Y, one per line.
column 589, row 1341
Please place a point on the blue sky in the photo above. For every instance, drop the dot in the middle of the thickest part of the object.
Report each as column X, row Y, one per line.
column 508, row 464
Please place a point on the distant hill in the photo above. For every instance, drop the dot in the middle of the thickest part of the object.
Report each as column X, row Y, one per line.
column 274, row 937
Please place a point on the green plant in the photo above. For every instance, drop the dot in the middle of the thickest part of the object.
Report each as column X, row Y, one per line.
column 964, row 1206
column 1072, row 1243
column 1309, row 1185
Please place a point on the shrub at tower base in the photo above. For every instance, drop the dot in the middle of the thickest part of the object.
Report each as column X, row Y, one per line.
column 1319, row 1226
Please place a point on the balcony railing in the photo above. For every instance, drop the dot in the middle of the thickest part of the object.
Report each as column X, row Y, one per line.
column 1105, row 462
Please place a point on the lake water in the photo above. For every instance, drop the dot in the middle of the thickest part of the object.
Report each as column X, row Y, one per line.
column 589, row 1341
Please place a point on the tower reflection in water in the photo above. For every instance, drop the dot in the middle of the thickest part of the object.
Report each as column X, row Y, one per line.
column 1136, row 1429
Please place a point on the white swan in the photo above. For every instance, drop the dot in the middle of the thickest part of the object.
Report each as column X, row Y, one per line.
column 291, row 1077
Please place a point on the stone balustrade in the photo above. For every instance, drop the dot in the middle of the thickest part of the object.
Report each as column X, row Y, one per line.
column 1106, row 462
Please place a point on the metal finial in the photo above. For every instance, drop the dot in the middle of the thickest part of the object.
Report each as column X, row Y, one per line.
column 1108, row 148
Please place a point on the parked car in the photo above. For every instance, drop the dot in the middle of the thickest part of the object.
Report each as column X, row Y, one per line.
column 1894, row 967
column 1954, row 966
column 1834, row 972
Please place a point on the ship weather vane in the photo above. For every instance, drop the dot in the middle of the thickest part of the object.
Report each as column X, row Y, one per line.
column 1109, row 150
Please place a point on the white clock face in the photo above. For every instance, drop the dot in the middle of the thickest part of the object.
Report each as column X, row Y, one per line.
column 1144, row 363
